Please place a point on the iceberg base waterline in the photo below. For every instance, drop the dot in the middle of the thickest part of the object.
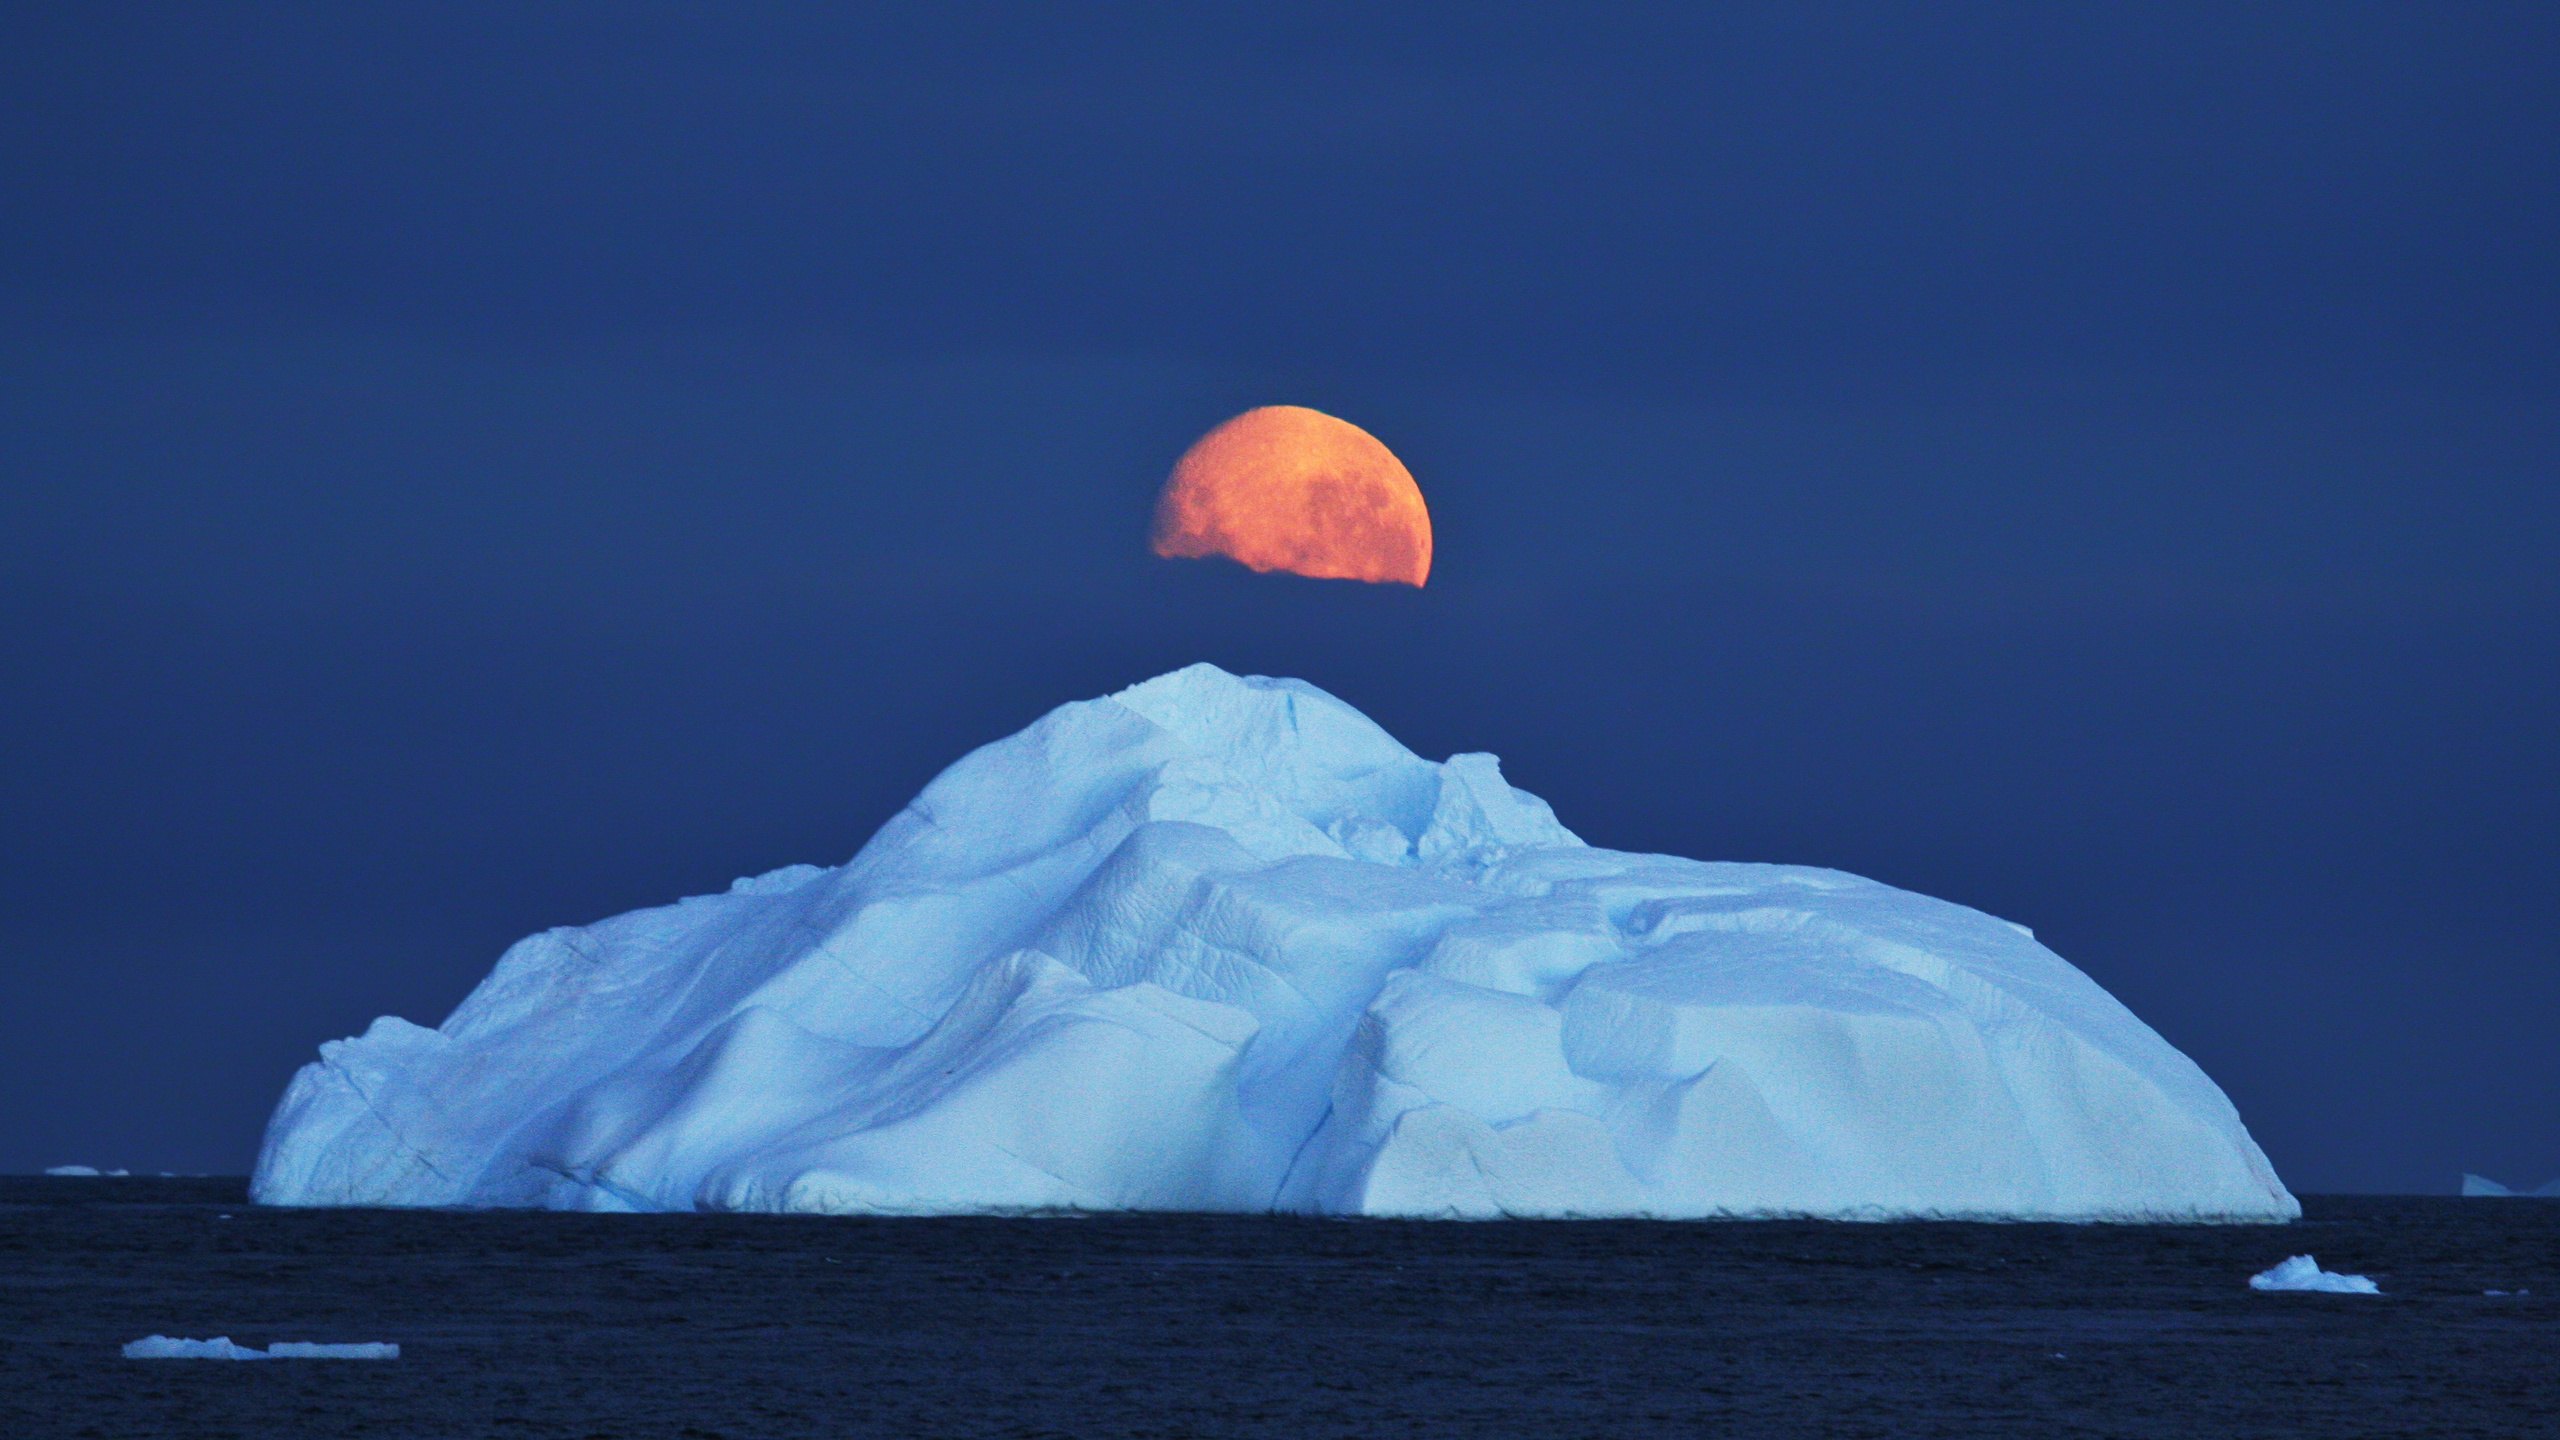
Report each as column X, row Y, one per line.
column 1220, row 943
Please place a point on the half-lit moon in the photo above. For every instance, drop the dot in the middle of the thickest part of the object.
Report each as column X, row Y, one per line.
column 1288, row 488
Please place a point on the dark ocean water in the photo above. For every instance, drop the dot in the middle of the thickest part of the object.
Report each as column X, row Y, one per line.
column 523, row 1324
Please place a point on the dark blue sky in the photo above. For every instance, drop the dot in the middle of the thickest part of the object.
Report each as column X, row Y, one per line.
column 477, row 471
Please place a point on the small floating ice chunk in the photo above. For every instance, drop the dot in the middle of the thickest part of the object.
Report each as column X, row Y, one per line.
column 84, row 1170
column 167, row 1347
column 170, row 1347
column 2304, row 1273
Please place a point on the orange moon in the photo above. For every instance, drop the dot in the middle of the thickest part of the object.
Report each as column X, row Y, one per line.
column 1288, row 488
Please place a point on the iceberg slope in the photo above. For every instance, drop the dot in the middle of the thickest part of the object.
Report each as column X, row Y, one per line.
column 1222, row 943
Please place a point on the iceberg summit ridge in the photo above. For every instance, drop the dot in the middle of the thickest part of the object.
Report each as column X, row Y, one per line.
column 1221, row 943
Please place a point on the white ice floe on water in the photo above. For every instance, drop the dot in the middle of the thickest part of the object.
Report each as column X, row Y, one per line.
column 2304, row 1273
column 168, row 1347
column 71, row 1170
column 1220, row 943
column 2482, row 1185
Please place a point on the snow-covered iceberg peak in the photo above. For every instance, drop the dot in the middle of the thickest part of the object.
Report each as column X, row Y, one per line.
column 1260, row 754
column 1222, row 943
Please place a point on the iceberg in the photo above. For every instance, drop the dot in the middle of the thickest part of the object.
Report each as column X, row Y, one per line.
column 2476, row 1185
column 168, row 1347
column 2301, row 1272
column 1222, row 944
